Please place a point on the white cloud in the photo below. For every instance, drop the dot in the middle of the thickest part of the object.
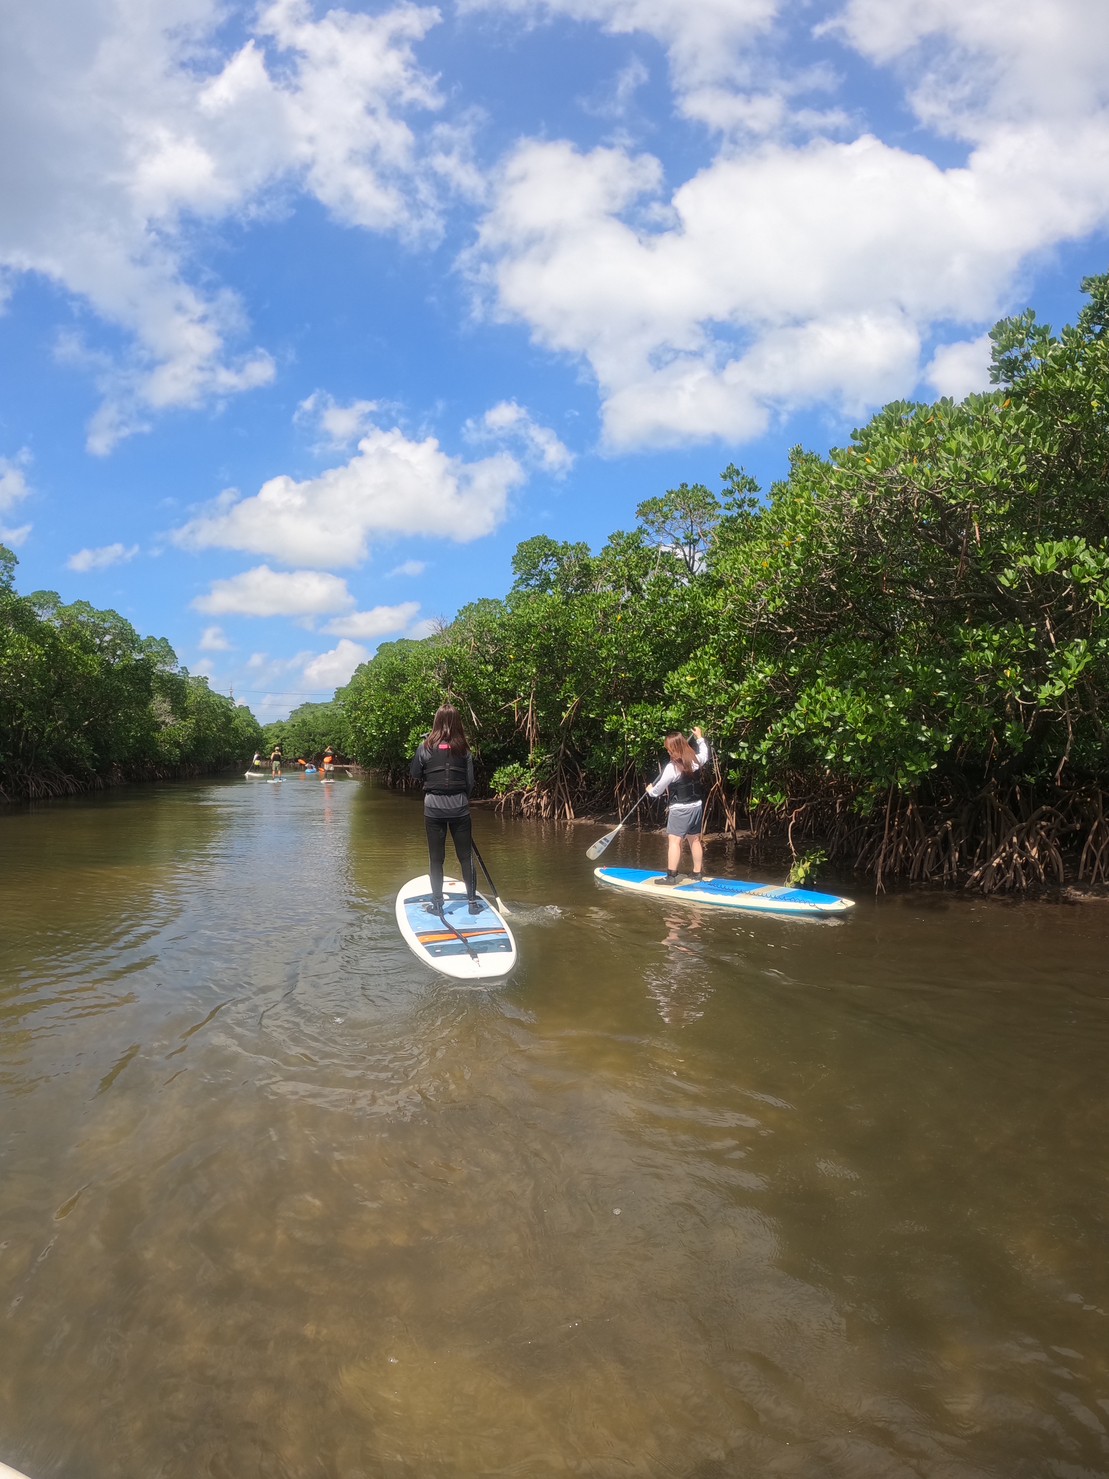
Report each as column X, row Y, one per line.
column 774, row 278
column 508, row 422
column 390, row 486
column 366, row 625
column 337, row 426
column 972, row 65
column 426, row 628
column 100, row 194
column 959, row 370
column 705, row 41
column 13, row 489
column 333, row 669
column 102, row 558
column 409, row 567
column 266, row 592
column 213, row 639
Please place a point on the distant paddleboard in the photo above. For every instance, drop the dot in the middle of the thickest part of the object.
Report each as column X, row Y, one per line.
column 469, row 947
column 276, row 780
column 729, row 893
column 251, row 775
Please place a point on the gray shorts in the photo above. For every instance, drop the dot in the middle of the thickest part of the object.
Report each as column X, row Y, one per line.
column 684, row 819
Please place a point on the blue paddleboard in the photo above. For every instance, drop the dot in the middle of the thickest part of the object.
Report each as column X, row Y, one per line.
column 729, row 893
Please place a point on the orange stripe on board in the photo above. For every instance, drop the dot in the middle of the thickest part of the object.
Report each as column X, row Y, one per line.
column 439, row 936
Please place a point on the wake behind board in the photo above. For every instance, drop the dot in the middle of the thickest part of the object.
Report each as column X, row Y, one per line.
column 486, row 948
column 730, row 893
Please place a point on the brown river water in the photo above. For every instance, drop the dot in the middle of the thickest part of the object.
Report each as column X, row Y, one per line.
column 688, row 1195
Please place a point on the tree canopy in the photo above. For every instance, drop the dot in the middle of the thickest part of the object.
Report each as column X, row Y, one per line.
column 85, row 700
column 902, row 649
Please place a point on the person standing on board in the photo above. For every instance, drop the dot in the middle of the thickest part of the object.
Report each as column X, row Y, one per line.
column 328, row 764
column 680, row 779
column 275, row 762
column 445, row 767
column 257, row 762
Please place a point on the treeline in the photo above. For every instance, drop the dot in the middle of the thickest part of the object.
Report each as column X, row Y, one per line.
column 85, row 701
column 307, row 732
column 901, row 653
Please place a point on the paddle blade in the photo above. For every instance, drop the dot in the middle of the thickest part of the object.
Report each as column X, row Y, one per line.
column 599, row 846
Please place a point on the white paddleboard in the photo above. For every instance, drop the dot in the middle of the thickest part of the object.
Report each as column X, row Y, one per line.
column 469, row 947
column 276, row 780
column 729, row 893
column 251, row 775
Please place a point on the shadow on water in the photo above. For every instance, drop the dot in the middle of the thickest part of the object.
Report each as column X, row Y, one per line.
column 687, row 1195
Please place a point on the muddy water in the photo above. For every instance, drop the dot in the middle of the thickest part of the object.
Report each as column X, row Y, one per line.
column 687, row 1196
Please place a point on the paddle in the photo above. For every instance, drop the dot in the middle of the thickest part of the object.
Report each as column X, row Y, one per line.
column 598, row 847
column 488, row 875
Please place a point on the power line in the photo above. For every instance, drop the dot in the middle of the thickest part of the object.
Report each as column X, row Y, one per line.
column 274, row 693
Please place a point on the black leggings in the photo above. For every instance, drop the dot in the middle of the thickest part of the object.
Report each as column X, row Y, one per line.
column 437, row 851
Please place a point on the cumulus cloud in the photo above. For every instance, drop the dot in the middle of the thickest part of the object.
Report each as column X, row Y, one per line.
column 266, row 592
column 100, row 194
column 705, row 42
column 959, row 370
column 390, row 486
column 772, row 278
column 336, row 426
column 102, row 558
column 508, row 422
column 409, row 567
column 213, row 639
column 13, row 489
column 975, row 65
column 378, row 622
column 333, row 669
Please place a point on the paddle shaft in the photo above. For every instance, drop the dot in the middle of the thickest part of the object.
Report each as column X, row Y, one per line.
column 489, row 876
column 442, row 912
column 598, row 847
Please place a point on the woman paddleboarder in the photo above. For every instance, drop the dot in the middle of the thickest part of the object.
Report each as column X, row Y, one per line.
column 445, row 767
column 680, row 778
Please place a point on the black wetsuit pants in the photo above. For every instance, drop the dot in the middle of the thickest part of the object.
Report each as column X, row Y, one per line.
column 437, row 850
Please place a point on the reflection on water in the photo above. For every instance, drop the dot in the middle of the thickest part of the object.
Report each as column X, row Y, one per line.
column 687, row 1195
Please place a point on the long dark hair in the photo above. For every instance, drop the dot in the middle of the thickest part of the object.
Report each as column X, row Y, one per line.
column 681, row 752
column 447, row 729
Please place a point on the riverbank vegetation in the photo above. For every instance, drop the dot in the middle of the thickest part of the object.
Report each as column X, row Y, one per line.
column 901, row 652
column 85, row 701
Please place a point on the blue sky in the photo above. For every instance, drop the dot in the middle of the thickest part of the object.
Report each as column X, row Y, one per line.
column 311, row 315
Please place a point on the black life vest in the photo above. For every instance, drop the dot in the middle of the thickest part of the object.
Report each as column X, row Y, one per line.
column 445, row 773
column 686, row 788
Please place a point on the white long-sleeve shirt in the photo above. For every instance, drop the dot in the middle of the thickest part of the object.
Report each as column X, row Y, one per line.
column 670, row 771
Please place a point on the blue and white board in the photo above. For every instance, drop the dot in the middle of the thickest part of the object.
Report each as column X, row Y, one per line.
column 730, row 893
column 469, row 947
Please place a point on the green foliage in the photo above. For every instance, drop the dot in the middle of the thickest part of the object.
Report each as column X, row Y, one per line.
column 919, row 619
column 806, row 866
column 308, row 731
column 83, row 699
